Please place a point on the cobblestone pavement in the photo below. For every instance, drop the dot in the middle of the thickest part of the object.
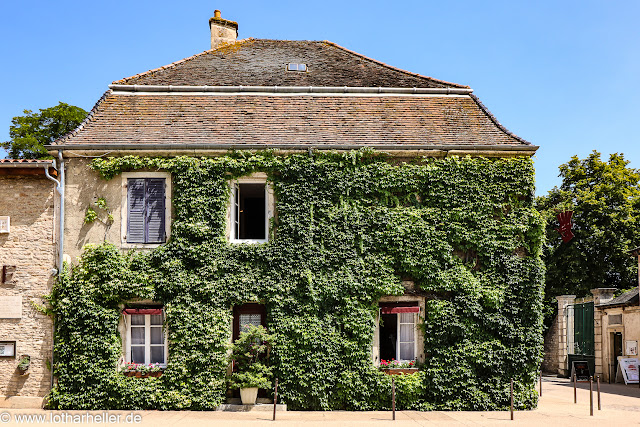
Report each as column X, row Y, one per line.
column 620, row 407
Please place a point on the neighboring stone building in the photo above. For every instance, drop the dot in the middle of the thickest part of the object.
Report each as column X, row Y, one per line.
column 615, row 332
column 617, row 322
column 27, row 273
column 232, row 239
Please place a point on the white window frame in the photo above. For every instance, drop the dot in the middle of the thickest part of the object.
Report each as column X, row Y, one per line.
column 147, row 339
column 124, row 208
column 414, row 317
column 418, row 338
column 232, row 211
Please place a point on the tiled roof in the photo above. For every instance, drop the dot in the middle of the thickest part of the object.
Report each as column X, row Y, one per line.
column 316, row 121
column 257, row 62
column 628, row 298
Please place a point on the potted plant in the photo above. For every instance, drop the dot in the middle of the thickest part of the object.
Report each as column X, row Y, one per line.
column 143, row 370
column 140, row 370
column 24, row 363
column 250, row 356
column 155, row 370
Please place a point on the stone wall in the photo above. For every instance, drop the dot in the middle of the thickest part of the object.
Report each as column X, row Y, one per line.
column 83, row 187
column 561, row 333
column 551, row 345
column 30, row 247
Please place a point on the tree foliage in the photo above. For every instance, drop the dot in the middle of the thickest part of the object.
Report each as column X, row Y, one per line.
column 605, row 200
column 29, row 133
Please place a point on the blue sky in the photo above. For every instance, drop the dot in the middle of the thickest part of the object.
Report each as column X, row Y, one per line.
column 561, row 74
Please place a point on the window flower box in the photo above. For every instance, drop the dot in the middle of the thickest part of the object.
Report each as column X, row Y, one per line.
column 394, row 367
column 142, row 371
column 399, row 371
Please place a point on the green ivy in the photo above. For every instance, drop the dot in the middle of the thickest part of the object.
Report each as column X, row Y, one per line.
column 349, row 228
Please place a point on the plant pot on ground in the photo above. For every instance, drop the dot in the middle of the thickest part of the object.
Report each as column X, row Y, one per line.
column 249, row 354
column 249, row 395
column 255, row 377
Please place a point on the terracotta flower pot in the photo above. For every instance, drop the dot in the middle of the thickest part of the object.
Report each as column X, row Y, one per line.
column 249, row 395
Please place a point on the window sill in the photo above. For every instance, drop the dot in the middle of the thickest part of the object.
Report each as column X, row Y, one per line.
column 124, row 245
column 248, row 241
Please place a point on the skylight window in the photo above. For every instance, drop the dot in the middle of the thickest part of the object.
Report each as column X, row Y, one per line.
column 296, row 67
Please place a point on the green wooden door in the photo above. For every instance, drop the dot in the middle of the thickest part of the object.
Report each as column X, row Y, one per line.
column 583, row 336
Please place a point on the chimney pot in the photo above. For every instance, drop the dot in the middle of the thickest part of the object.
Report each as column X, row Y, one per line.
column 217, row 14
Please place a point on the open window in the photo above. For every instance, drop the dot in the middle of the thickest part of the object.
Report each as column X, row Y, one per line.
column 145, row 339
column 251, row 208
column 398, row 337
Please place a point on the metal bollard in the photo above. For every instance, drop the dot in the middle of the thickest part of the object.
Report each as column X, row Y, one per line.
column 275, row 400
column 393, row 396
column 511, row 399
column 575, row 394
column 540, row 382
column 599, row 408
column 591, row 396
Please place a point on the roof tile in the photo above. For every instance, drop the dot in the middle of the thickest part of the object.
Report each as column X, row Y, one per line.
column 267, row 120
column 258, row 62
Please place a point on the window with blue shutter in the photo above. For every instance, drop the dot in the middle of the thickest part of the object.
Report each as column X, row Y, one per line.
column 146, row 210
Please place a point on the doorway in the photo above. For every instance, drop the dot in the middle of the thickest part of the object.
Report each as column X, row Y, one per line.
column 617, row 351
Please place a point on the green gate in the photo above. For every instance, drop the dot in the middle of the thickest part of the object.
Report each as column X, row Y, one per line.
column 583, row 336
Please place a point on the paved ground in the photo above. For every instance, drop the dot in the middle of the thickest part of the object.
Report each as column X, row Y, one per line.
column 620, row 407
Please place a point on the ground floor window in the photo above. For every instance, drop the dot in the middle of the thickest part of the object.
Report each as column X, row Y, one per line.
column 146, row 341
column 398, row 331
column 247, row 314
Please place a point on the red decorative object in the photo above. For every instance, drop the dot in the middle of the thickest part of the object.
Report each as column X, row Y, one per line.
column 564, row 218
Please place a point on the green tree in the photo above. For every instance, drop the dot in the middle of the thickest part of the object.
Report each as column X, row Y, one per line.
column 29, row 133
column 605, row 200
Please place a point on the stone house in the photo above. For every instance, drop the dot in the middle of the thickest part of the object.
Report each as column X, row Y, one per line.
column 27, row 273
column 292, row 98
column 616, row 331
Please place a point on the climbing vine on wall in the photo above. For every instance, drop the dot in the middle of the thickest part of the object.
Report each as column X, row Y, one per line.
column 349, row 227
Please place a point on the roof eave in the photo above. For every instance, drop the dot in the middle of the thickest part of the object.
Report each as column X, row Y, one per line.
column 39, row 165
column 213, row 146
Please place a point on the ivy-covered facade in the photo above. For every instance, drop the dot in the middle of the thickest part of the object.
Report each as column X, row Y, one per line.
column 326, row 202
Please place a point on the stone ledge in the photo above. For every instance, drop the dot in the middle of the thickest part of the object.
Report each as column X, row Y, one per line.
column 21, row 402
column 264, row 407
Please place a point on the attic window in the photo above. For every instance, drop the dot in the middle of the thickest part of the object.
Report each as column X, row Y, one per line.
column 296, row 67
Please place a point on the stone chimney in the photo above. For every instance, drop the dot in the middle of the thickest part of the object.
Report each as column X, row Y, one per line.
column 222, row 31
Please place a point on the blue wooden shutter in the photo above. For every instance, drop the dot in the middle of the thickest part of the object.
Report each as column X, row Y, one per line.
column 155, row 227
column 135, row 210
